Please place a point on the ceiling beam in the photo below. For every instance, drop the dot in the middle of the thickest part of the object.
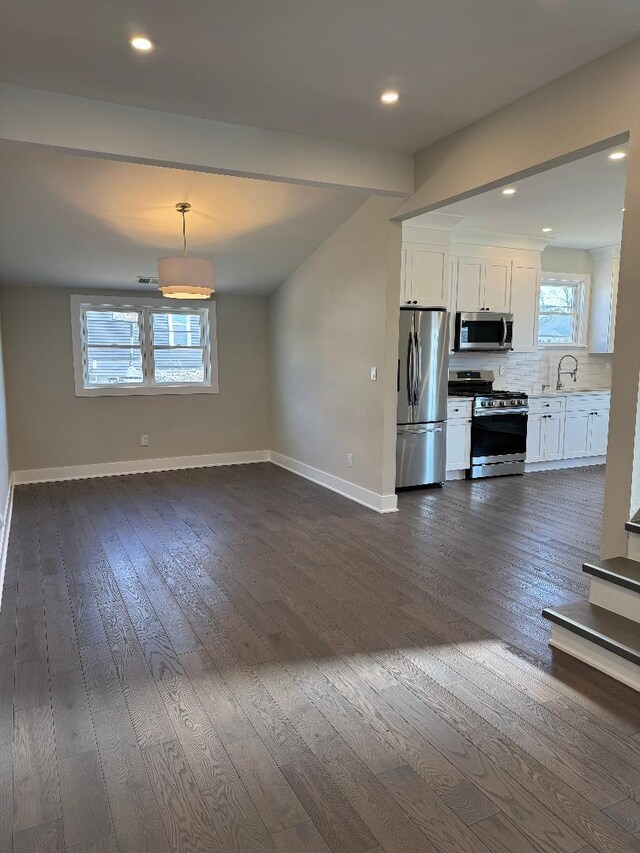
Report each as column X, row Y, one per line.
column 114, row 131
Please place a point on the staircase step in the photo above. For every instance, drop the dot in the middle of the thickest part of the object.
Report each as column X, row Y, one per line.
column 633, row 526
column 606, row 629
column 620, row 570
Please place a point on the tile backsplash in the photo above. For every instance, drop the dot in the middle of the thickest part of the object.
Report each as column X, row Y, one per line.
column 529, row 371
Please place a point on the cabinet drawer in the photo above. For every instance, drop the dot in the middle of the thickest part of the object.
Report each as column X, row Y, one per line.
column 458, row 409
column 588, row 402
column 546, row 405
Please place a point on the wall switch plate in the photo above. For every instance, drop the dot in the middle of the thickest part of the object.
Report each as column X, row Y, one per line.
column 374, row 374
column 350, row 460
column 144, row 440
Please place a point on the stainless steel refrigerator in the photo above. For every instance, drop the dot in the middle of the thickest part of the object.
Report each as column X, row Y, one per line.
column 422, row 397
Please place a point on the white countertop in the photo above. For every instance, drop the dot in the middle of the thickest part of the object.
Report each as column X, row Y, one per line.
column 568, row 392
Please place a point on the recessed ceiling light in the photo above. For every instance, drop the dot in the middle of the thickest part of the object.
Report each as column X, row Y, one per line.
column 390, row 97
column 141, row 43
column 546, row 230
column 509, row 191
column 617, row 155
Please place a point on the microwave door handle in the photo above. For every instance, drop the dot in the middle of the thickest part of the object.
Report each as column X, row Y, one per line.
column 504, row 332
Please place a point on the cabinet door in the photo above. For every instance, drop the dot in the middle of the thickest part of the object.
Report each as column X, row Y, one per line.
column 429, row 273
column 525, row 281
column 576, row 435
column 458, row 444
column 553, row 437
column 497, row 286
column 598, row 432
column 406, row 287
column 470, row 284
column 535, row 445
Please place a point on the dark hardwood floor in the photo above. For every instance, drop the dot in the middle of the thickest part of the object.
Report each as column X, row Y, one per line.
column 234, row 659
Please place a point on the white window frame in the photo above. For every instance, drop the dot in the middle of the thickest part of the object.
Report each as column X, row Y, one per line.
column 583, row 280
column 146, row 306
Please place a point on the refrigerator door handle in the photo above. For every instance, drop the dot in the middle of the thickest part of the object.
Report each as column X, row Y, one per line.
column 410, row 372
column 418, row 374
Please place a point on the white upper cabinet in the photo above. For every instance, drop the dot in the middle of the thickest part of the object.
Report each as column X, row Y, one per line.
column 425, row 275
column 604, row 298
column 484, row 284
column 497, row 285
column 470, row 284
column 525, row 286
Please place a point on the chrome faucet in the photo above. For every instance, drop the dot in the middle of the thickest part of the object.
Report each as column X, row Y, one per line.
column 572, row 373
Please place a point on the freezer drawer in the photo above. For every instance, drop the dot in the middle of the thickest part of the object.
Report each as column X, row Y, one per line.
column 421, row 454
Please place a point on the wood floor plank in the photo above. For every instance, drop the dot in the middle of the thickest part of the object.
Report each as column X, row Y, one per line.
column 71, row 717
column 502, row 836
column 31, row 686
column 236, row 819
column 203, row 749
column 7, row 651
column 303, row 838
column 627, row 815
column 272, row 796
column 185, row 813
column 85, row 808
column 6, row 795
column 36, row 795
column 47, row 838
column 108, row 844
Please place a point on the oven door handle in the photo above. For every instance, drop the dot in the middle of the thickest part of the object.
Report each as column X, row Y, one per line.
column 499, row 412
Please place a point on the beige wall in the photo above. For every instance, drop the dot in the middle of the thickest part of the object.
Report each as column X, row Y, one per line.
column 4, row 444
column 582, row 112
column 329, row 326
column 50, row 427
column 557, row 259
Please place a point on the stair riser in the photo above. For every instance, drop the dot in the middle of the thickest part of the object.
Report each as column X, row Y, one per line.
column 633, row 546
column 615, row 598
column 593, row 655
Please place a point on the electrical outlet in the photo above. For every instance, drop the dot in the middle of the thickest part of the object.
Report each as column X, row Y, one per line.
column 144, row 440
column 350, row 460
column 607, row 367
column 374, row 374
column 502, row 370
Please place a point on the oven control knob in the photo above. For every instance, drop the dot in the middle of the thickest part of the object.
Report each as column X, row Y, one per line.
column 502, row 403
column 515, row 403
column 484, row 404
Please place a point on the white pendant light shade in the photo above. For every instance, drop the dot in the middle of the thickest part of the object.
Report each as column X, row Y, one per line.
column 184, row 277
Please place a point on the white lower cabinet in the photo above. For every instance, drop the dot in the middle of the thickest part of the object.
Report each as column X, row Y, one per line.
column 458, row 444
column 545, row 433
column 586, row 433
column 568, row 427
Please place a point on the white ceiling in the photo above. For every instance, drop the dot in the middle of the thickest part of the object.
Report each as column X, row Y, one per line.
column 84, row 222
column 581, row 201
column 312, row 67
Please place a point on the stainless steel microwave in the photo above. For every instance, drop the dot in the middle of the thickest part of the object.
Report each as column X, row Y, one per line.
column 483, row 331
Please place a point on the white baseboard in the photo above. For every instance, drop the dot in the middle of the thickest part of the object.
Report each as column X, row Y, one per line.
column 633, row 546
column 372, row 500
column 618, row 599
column 590, row 653
column 4, row 536
column 138, row 466
column 456, row 475
column 557, row 464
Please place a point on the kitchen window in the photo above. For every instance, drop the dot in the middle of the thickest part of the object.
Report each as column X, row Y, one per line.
column 563, row 310
column 143, row 347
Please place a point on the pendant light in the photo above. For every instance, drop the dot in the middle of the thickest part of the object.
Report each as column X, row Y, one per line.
column 182, row 277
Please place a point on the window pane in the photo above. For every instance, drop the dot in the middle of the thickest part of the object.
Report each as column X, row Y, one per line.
column 556, row 329
column 178, row 365
column 112, row 327
column 177, row 330
column 558, row 298
column 114, row 366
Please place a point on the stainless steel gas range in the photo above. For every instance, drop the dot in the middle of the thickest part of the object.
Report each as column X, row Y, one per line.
column 498, row 425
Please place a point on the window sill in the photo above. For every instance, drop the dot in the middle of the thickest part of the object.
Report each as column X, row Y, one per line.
column 145, row 390
column 562, row 346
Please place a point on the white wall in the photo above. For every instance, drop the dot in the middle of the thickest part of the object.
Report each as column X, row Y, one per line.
column 4, row 444
column 49, row 427
column 328, row 324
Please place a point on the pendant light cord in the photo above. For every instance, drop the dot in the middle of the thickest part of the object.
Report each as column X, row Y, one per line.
column 184, row 234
